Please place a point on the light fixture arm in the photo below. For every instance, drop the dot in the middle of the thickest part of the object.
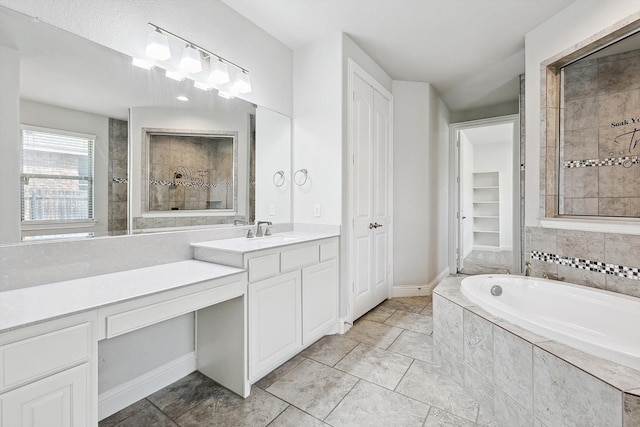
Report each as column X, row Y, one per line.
column 206, row 52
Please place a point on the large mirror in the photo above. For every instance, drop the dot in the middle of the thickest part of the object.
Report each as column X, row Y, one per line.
column 109, row 149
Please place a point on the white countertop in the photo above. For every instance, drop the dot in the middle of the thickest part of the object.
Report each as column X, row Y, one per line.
column 242, row 244
column 34, row 304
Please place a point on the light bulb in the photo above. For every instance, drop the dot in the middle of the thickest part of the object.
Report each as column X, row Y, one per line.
column 190, row 62
column 158, row 46
column 242, row 83
column 219, row 73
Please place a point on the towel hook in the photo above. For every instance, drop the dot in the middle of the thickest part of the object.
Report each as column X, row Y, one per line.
column 278, row 178
column 301, row 181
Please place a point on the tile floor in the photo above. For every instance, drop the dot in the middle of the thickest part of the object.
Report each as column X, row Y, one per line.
column 380, row 373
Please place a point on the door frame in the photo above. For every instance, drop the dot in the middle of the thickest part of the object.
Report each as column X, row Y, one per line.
column 353, row 69
column 454, row 187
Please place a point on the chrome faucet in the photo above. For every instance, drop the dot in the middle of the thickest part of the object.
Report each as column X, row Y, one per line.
column 259, row 229
column 527, row 268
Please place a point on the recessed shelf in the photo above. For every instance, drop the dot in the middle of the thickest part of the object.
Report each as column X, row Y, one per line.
column 486, row 212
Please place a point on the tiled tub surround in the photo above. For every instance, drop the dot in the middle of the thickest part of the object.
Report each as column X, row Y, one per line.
column 563, row 312
column 524, row 379
column 600, row 260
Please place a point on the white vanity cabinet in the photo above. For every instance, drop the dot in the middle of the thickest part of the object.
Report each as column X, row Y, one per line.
column 48, row 374
column 275, row 330
column 292, row 294
column 295, row 306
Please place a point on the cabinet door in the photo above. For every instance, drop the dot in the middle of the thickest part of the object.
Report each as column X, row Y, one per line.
column 60, row 400
column 275, row 332
column 319, row 300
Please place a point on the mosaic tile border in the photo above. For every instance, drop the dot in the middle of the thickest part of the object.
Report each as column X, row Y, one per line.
column 192, row 184
column 585, row 264
column 626, row 161
column 120, row 180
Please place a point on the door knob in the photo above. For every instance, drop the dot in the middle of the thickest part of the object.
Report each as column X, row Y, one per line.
column 371, row 226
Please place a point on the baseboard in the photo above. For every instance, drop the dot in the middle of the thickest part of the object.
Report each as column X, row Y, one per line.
column 419, row 290
column 123, row 395
column 344, row 325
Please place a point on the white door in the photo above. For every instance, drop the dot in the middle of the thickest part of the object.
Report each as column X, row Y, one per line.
column 370, row 144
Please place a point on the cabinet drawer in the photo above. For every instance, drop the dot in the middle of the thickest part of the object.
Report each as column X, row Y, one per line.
column 298, row 258
column 131, row 320
column 263, row 267
column 33, row 358
column 328, row 251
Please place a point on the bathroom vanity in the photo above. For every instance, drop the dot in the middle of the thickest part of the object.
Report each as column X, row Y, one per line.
column 257, row 302
column 49, row 335
column 292, row 291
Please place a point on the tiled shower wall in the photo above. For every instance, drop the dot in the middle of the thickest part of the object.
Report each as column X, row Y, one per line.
column 190, row 159
column 118, row 154
column 599, row 170
column 600, row 260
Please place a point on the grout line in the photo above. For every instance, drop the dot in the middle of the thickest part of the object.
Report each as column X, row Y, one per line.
column 280, row 413
column 343, row 397
column 404, row 375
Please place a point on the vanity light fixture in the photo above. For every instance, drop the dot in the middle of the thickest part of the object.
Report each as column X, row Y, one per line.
column 219, row 72
column 191, row 63
column 242, row 84
column 202, row 86
column 142, row 63
column 175, row 75
column 158, row 46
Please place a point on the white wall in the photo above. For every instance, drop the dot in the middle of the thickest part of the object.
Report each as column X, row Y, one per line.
column 499, row 157
column 9, row 145
column 574, row 24
column 191, row 121
column 49, row 116
column 122, row 25
column 420, row 159
column 438, row 188
column 317, row 130
column 273, row 153
column 466, row 189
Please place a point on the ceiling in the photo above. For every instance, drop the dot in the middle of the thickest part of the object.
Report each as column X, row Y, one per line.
column 471, row 51
column 493, row 134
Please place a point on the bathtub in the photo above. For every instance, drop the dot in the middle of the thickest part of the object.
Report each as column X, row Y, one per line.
column 599, row 322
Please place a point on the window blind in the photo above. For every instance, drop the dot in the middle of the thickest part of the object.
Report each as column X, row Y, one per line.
column 57, row 175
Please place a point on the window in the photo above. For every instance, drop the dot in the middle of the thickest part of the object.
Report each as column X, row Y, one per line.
column 57, row 176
